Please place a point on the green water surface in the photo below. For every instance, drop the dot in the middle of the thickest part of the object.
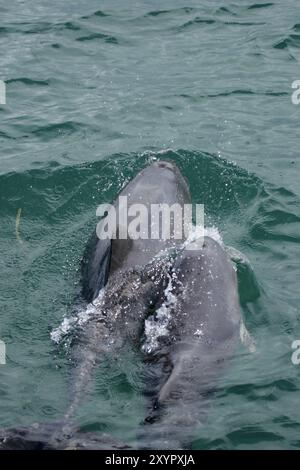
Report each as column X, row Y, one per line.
column 95, row 91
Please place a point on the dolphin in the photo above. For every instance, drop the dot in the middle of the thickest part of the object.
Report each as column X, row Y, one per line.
column 204, row 328
column 133, row 273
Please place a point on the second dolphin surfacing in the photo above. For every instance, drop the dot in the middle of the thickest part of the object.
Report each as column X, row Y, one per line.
column 204, row 330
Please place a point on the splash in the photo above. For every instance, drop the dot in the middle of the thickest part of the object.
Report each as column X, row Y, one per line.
column 79, row 318
column 156, row 326
column 197, row 232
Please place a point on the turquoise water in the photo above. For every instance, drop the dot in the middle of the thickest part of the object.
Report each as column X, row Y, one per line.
column 95, row 91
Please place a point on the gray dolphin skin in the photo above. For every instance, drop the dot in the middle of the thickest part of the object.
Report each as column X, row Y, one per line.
column 204, row 331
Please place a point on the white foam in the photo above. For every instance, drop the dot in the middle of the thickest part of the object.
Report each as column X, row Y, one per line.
column 79, row 318
column 157, row 325
column 198, row 333
column 213, row 232
column 198, row 232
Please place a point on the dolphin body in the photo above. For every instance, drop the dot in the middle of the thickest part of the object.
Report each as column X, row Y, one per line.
column 135, row 273
column 135, row 279
column 204, row 330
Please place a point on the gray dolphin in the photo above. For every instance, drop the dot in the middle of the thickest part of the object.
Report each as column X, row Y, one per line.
column 204, row 329
column 135, row 275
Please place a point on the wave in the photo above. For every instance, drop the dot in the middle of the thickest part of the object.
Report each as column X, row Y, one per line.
column 210, row 21
column 28, row 81
column 219, row 182
column 234, row 92
column 44, row 27
column 156, row 13
column 97, row 14
column 105, row 37
column 293, row 40
column 257, row 6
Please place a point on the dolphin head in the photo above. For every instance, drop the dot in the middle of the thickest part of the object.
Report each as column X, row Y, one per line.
column 159, row 183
